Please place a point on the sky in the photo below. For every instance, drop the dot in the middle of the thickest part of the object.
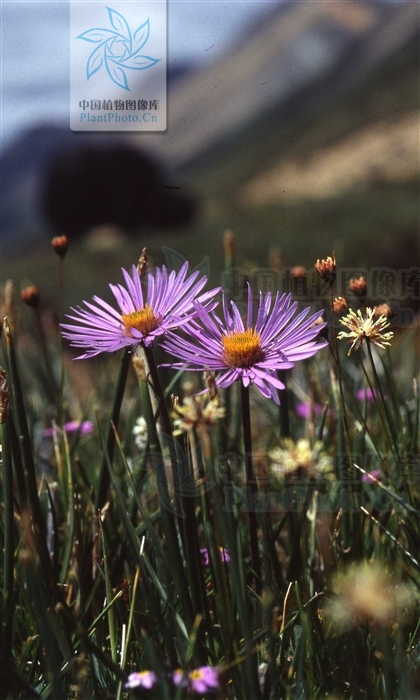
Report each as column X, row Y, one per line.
column 35, row 52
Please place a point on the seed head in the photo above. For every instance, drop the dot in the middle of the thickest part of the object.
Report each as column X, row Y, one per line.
column 196, row 411
column 294, row 459
column 366, row 592
column 363, row 327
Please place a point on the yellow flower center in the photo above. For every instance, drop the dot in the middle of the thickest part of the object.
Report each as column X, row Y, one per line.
column 242, row 349
column 196, row 675
column 142, row 320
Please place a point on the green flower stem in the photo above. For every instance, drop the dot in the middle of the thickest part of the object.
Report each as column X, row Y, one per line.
column 336, row 355
column 61, row 354
column 18, row 407
column 166, row 421
column 284, row 407
column 378, row 406
column 222, row 527
column 388, row 417
column 251, row 486
column 8, row 525
column 168, row 522
column 104, row 480
column 52, row 389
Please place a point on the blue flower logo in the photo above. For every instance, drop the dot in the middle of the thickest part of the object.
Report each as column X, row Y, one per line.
column 118, row 49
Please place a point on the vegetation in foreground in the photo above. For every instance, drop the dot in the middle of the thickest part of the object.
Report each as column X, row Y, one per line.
column 159, row 542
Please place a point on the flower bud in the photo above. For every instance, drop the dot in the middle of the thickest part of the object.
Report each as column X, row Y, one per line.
column 382, row 310
column 229, row 243
column 358, row 286
column 326, row 269
column 60, row 245
column 30, row 296
column 339, row 305
column 142, row 263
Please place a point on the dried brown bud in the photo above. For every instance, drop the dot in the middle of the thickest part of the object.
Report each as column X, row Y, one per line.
column 229, row 243
column 139, row 368
column 318, row 322
column 382, row 310
column 326, row 269
column 142, row 263
column 323, row 333
column 60, row 245
column 211, row 384
column 8, row 301
column 339, row 305
column 358, row 286
column 4, row 396
column 30, row 295
column 298, row 271
column 274, row 258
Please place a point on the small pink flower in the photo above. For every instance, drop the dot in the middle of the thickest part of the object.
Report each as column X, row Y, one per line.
column 305, row 410
column 365, row 394
column 85, row 427
column 224, row 555
column 143, row 679
column 374, row 474
column 178, row 677
column 204, row 679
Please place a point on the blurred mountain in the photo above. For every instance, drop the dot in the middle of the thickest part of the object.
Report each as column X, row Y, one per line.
column 299, row 49
column 303, row 135
column 312, row 143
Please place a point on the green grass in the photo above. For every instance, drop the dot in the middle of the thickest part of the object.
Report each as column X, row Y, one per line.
column 102, row 575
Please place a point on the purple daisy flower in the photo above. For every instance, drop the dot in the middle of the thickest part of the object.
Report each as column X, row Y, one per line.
column 204, row 679
column 143, row 679
column 252, row 354
column 169, row 304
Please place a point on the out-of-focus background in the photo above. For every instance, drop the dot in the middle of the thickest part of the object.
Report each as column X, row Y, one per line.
column 294, row 124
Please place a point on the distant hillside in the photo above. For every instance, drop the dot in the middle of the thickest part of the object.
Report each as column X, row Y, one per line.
column 296, row 55
column 321, row 95
column 335, row 164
